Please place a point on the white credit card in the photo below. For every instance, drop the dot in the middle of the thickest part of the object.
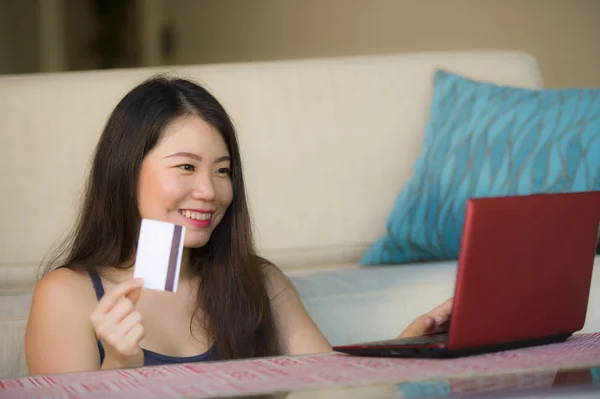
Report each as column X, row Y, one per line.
column 158, row 257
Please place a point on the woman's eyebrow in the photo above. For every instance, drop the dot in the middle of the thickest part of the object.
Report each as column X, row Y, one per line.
column 185, row 154
column 224, row 158
column 196, row 156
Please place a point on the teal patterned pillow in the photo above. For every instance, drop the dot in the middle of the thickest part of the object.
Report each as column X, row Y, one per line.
column 488, row 140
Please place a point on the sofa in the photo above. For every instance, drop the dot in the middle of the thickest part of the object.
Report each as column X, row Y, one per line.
column 327, row 145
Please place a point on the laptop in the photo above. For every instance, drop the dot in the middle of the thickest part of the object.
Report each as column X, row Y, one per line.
column 523, row 278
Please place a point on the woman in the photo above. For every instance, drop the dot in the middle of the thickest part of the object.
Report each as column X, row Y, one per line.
column 168, row 152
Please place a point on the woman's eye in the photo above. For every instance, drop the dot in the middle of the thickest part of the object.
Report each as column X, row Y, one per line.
column 224, row 171
column 187, row 167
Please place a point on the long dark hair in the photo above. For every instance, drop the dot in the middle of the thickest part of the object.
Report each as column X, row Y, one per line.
column 232, row 292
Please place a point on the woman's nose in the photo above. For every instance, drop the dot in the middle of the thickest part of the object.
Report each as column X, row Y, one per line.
column 204, row 189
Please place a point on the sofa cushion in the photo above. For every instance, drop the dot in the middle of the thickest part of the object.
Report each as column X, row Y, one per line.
column 354, row 304
column 12, row 355
column 14, row 311
column 484, row 139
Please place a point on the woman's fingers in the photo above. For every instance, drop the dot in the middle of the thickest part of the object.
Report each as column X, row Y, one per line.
column 117, row 324
column 128, row 344
column 422, row 325
column 122, row 308
column 432, row 322
column 111, row 297
column 444, row 310
column 129, row 322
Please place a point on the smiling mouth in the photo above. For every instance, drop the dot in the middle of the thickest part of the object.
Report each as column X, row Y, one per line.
column 196, row 215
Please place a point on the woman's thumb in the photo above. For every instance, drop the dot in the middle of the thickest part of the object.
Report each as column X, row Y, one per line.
column 134, row 295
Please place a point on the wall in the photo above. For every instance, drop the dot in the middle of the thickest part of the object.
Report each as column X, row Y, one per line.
column 20, row 45
column 80, row 28
column 564, row 35
column 5, row 59
column 52, row 35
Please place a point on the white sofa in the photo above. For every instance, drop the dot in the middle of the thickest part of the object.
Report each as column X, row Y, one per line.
column 327, row 144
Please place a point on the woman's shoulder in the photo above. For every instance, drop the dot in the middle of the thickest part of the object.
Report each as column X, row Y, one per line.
column 65, row 277
column 65, row 285
column 59, row 336
column 276, row 281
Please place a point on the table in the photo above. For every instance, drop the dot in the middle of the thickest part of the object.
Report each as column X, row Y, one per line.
column 314, row 375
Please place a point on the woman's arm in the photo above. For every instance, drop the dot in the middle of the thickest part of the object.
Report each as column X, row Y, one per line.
column 59, row 337
column 297, row 332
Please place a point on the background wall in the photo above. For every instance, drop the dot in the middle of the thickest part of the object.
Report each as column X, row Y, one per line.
column 564, row 35
column 19, row 36
column 54, row 35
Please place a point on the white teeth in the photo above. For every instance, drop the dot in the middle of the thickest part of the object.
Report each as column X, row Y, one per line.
column 196, row 215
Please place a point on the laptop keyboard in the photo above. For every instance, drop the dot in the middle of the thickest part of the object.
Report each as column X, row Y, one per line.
column 421, row 340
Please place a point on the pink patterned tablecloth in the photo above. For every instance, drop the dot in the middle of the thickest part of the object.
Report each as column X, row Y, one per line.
column 296, row 373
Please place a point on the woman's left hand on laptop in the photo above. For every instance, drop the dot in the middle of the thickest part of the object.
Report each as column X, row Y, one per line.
column 433, row 322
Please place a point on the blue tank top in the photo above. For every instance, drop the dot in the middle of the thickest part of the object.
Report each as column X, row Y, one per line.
column 151, row 358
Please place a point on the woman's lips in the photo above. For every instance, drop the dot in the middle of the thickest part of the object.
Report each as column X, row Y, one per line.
column 197, row 217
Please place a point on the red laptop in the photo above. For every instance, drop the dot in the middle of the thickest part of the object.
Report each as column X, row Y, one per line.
column 523, row 279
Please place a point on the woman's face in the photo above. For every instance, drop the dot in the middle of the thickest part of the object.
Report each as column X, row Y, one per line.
column 186, row 179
